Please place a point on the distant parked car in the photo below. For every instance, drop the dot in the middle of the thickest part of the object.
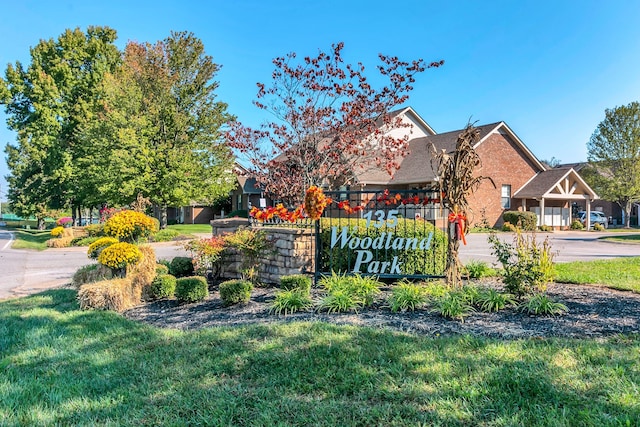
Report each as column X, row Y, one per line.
column 3, row 224
column 596, row 218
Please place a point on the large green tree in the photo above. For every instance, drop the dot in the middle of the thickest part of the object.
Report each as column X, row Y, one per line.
column 614, row 157
column 47, row 103
column 159, row 132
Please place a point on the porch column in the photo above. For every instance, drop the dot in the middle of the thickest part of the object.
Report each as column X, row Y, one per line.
column 541, row 212
column 588, row 219
column 570, row 215
column 524, row 205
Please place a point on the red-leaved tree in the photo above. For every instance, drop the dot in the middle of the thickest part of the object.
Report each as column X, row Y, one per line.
column 330, row 123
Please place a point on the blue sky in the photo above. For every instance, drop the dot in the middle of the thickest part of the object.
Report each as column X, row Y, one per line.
column 548, row 69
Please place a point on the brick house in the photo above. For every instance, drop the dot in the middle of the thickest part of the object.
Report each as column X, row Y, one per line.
column 521, row 181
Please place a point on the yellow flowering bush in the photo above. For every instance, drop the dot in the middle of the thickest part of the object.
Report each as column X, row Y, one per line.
column 99, row 245
column 129, row 226
column 57, row 232
column 119, row 255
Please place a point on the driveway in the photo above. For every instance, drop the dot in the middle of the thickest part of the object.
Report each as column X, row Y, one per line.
column 25, row 272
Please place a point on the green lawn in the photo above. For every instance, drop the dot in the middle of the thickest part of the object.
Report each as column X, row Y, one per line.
column 617, row 273
column 191, row 228
column 30, row 239
column 62, row 366
column 631, row 238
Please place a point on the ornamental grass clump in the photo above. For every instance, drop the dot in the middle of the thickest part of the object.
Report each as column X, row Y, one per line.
column 119, row 255
column 291, row 301
column 129, row 226
column 407, row 296
column 542, row 305
column 191, row 289
column 99, row 245
column 491, row 300
column 235, row 291
column 454, row 305
column 346, row 292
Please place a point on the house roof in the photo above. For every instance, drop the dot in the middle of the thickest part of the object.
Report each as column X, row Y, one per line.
column 557, row 183
column 416, row 167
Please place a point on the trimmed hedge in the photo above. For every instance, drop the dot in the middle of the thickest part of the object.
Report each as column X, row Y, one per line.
column 235, row 291
column 415, row 261
column 163, row 286
column 161, row 269
column 526, row 220
column 296, row 282
column 181, row 266
column 191, row 289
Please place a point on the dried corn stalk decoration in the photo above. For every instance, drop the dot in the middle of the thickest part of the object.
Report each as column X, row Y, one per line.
column 457, row 181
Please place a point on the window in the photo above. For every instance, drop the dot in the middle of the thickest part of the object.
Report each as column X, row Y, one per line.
column 239, row 201
column 506, row 196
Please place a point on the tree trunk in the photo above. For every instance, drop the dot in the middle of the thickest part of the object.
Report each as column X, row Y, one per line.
column 627, row 214
column 163, row 217
column 41, row 224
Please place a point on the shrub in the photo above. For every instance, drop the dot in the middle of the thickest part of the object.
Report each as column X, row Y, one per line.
column 119, row 255
column 598, row 227
column 95, row 230
column 191, row 289
column 453, row 305
column 362, row 288
column 252, row 245
column 577, row 225
column 91, row 273
column 207, row 254
column 181, row 266
column 527, row 266
column 240, row 213
column 342, row 259
column 546, row 228
column 296, row 281
column 129, row 226
column 479, row 269
column 291, row 300
column 163, row 286
column 541, row 304
column 407, row 296
column 166, row 235
column 508, row 227
column 525, row 220
column 235, row 291
column 65, row 221
column 161, row 269
column 60, row 242
column 57, row 232
column 491, row 300
column 99, row 245
column 340, row 300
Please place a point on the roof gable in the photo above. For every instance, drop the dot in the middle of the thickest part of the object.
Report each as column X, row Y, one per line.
column 502, row 128
column 557, row 183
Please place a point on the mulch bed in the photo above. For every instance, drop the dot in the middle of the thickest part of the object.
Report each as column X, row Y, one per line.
column 593, row 312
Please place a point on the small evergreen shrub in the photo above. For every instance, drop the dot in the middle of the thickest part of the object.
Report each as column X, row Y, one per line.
column 191, row 289
column 161, row 269
column 546, row 228
column 235, row 291
column 576, row 225
column 296, row 281
column 83, row 241
column 525, row 220
column 407, row 296
column 181, row 266
column 291, row 300
column 598, row 227
column 163, row 286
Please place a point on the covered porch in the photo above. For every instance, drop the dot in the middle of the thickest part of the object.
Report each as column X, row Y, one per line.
column 550, row 195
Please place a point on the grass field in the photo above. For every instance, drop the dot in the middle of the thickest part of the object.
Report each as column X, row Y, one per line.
column 191, row 228
column 62, row 366
column 30, row 239
column 629, row 238
column 617, row 273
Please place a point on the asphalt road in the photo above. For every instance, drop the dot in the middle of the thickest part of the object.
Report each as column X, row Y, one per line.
column 25, row 272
